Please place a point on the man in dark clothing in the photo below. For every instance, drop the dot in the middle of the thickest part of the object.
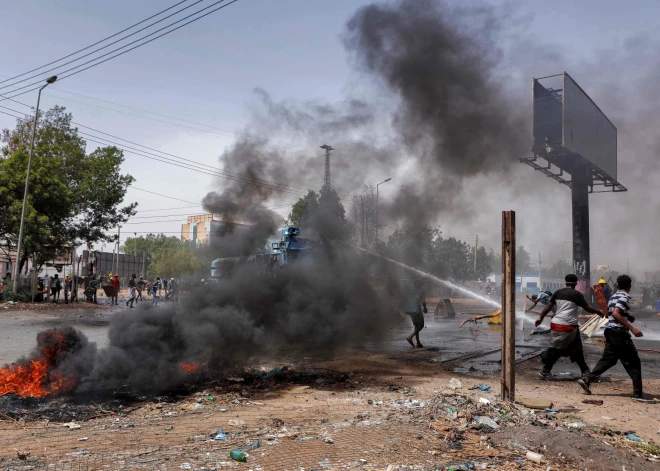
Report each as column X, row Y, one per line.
column 155, row 288
column 564, row 331
column 618, row 343
column 415, row 307
column 55, row 287
column 131, row 290
column 140, row 286
column 174, row 291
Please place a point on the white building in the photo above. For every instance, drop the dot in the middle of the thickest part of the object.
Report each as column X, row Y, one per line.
column 531, row 284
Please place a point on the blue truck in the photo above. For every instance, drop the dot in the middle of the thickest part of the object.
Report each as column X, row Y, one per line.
column 274, row 256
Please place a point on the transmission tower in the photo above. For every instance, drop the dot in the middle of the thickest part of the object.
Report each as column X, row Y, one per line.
column 327, row 163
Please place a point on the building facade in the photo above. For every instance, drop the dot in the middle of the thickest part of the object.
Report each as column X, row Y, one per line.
column 531, row 284
column 203, row 228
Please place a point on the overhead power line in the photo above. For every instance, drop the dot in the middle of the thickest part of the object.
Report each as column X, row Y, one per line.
column 13, row 93
column 107, row 46
column 181, row 162
column 96, row 43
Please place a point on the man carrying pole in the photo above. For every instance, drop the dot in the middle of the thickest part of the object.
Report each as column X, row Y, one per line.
column 565, row 338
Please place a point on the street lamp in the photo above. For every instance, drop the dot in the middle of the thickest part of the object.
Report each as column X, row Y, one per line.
column 377, row 220
column 27, row 184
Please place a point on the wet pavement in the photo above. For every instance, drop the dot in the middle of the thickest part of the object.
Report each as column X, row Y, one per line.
column 445, row 340
column 19, row 329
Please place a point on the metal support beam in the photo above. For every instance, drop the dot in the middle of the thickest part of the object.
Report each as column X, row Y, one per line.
column 580, row 202
column 508, row 305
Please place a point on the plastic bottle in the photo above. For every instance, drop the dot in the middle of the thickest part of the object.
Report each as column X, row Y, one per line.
column 238, row 455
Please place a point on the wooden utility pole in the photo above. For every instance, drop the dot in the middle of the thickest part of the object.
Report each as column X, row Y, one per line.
column 508, row 305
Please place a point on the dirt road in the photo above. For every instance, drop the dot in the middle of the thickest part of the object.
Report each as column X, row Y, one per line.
column 383, row 407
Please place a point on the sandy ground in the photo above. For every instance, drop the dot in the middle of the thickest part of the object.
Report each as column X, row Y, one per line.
column 386, row 410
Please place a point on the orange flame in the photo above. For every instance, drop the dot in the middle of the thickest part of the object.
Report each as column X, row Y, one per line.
column 190, row 367
column 39, row 378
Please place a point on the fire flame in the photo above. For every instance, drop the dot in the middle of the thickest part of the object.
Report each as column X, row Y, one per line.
column 189, row 367
column 40, row 378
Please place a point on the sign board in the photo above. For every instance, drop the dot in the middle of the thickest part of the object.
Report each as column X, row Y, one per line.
column 567, row 122
column 586, row 129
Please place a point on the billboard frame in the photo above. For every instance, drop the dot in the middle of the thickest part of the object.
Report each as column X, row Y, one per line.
column 554, row 159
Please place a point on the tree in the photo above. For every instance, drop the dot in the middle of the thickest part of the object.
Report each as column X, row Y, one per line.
column 484, row 264
column 303, row 208
column 366, row 200
column 174, row 262
column 523, row 261
column 74, row 197
column 331, row 217
column 152, row 245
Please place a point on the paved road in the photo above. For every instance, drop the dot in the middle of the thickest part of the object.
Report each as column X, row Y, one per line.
column 443, row 337
column 19, row 329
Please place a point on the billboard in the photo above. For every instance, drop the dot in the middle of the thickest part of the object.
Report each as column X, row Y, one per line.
column 567, row 122
column 586, row 130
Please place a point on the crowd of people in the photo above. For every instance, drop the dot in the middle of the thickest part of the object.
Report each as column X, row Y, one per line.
column 136, row 288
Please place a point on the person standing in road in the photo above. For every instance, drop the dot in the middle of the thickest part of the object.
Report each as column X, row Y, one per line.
column 140, row 287
column 164, row 281
column 131, row 289
column 116, row 285
column 415, row 307
column 67, row 289
column 55, row 286
column 618, row 342
column 174, row 290
column 565, row 338
column 154, row 291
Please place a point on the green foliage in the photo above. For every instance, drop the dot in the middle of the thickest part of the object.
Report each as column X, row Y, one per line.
column 74, row 197
column 426, row 249
column 303, row 208
column 524, row 261
column 174, row 262
column 320, row 213
column 152, row 245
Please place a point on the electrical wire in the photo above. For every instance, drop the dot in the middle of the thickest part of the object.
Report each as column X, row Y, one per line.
column 38, row 83
column 143, row 111
column 167, row 209
column 92, row 45
column 182, row 162
column 106, row 46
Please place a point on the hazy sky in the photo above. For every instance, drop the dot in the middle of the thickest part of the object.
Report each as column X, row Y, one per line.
column 207, row 72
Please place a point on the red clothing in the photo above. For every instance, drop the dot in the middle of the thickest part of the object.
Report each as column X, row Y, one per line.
column 115, row 283
column 562, row 328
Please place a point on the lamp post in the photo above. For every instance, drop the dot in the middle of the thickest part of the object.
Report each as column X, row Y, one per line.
column 27, row 184
column 377, row 219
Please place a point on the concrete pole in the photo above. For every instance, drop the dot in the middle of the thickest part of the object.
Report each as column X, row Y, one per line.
column 27, row 187
column 508, row 305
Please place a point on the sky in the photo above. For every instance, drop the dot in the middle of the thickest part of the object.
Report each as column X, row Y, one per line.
column 206, row 74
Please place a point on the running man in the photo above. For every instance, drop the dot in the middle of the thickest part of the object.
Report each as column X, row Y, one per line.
column 131, row 289
column 565, row 338
column 618, row 342
column 154, row 291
